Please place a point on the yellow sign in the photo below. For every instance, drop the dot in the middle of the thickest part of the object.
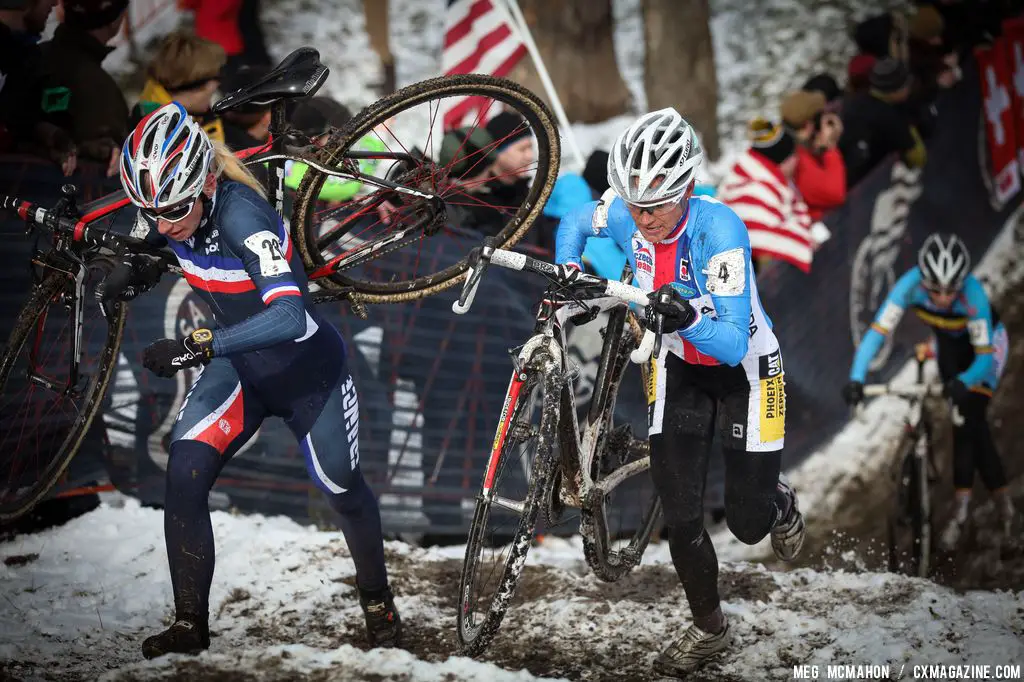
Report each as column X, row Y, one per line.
column 652, row 382
column 773, row 408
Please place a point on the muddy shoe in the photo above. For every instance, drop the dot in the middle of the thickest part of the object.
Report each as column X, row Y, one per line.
column 950, row 537
column 691, row 651
column 383, row 624
column 788, row 533
column 184, row 637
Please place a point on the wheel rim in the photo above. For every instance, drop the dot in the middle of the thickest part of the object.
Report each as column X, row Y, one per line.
column 405, row 123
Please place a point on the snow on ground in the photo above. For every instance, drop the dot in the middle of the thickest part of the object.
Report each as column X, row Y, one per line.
column 79, row 599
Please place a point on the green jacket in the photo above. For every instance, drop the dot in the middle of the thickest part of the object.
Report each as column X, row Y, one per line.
column 338, row 189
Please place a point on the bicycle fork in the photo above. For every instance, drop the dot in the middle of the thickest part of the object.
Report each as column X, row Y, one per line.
column 35, row 375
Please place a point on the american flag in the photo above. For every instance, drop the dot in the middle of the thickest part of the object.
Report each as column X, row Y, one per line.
column 477, row 39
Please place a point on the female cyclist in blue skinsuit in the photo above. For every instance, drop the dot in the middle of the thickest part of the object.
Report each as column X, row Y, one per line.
column 271, row 354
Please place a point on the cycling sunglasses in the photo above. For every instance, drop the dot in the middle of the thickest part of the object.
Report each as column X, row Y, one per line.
column 174, row 214
column 659, row 208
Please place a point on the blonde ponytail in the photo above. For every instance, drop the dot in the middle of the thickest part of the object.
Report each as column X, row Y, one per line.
column 225, row 163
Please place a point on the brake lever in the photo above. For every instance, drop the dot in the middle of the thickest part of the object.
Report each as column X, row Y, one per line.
column 478, row 259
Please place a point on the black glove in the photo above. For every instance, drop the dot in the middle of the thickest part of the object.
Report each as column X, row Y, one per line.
column 956, row 391
column 676, row 311
column 166, row 356
column 853, row 393
column 127, row 280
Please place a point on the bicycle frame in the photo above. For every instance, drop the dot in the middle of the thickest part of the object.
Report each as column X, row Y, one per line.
column 579, row 450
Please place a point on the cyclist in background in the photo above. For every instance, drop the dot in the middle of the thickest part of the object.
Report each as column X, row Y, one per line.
column 272, row 354
column 720, row 371
column 971, row 351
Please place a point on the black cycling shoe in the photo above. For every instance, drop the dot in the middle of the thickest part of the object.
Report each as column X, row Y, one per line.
column 186, row 636
column 383, row 624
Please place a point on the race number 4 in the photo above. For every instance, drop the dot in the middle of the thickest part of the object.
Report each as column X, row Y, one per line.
column 267, row 248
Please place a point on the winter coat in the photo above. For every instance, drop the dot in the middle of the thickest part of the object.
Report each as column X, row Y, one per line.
column 821, row 180
column 97, row 113
column 872, row 130
column 217, row 20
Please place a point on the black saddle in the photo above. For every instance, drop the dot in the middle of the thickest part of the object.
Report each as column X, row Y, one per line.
column 300, row 74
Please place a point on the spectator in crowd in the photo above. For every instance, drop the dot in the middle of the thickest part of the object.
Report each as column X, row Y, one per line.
column 186, row 69
column 95, row 112
column 820, row 174
column 829, row 88
column 874, row 125
column 514, row 162
column 28, row 112
column 858, row 73
column 247, row 125
column 883, row 35
column 759, row 188
column 933, row 66
column 467, row 155
column 314, row 118
column 234, row 25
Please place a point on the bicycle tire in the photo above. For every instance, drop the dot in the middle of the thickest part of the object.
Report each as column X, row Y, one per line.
column 43, row 295
column 907, row 517
column 474, row 638
column 548, row 145
column 610, row 565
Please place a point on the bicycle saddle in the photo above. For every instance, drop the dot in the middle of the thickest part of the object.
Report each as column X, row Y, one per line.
column 300, row 74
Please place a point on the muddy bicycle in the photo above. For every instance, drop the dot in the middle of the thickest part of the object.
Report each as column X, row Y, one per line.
column 544, row 460
column 61, row 352
column 909, row 528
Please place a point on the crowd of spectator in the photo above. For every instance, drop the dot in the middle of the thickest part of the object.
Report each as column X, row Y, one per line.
column 58, row 102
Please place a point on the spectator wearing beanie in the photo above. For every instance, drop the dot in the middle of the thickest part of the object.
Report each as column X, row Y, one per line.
column 186, row 69
column 96, row 113
column 759, row 189
column 513, row 146
column 875, row 125
column 820, row 174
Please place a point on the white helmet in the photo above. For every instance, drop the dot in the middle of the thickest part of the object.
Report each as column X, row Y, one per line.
column 660, row 143
column 165, row 160
column 944, row 261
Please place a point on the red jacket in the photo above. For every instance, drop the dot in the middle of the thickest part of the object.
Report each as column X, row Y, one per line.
column 821, row 180
column 217, row 20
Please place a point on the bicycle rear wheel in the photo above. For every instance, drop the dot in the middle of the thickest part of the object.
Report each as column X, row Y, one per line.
column 45, row 411
column 616, row 526
column 909, row 525
column 423, row 248
column 509, row 502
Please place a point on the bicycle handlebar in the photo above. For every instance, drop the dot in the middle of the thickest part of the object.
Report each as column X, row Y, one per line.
column 481, row 257
column 909, row 391
column 79, row 231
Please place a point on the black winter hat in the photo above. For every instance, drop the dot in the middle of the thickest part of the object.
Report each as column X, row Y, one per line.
column 825, row 84
column 596, row 171
column 507, row 128
column 92, row 14
column 889, row 75
column 773, row 141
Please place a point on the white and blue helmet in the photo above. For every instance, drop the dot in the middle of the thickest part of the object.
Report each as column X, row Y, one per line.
column 658, row 144
column 944, row 261
column 165, row 160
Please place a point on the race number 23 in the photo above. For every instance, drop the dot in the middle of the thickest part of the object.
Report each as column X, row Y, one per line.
column 267, row 248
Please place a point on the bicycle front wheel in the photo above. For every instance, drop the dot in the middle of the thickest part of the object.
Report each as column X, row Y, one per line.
column 47, row 399
column 509, row 502
column 393, row 246
column 909, row 524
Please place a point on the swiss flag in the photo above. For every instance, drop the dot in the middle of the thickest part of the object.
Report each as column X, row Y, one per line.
column 1000, row 119
column 1013, row 32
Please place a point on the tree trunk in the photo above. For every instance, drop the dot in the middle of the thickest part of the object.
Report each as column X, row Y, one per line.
column 679, row 64
column 574, row 38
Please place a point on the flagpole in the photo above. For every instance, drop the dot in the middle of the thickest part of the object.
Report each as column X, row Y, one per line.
column 518, row 24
